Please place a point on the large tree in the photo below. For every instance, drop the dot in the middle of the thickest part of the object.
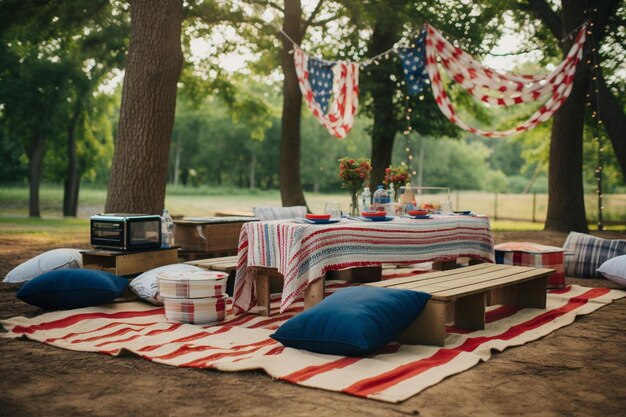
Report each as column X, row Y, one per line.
column 139, row 171
column 566, row 209
column 289, row 172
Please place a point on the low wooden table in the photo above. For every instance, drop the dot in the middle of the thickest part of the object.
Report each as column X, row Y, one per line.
column 463, row 294
column 128, row 262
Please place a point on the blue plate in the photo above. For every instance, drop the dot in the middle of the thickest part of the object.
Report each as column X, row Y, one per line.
column 322, row 221
column 377, row 219
column 465, row 212
column 423, row 216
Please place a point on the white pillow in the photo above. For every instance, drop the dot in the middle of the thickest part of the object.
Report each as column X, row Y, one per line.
column 615, row 269
column 146, row 286
column 278, row 213
column 45, row 262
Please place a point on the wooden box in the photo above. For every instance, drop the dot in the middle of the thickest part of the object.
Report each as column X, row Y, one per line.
column 209, row 236
column 128, row 263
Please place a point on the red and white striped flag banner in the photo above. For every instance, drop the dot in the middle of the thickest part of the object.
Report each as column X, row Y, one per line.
column 499, row 89
column 340, row 117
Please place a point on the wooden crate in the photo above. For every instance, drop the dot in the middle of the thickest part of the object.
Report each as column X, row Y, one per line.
column 209, row 236
column 128, row 263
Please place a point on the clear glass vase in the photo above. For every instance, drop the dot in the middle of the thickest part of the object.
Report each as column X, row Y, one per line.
column 354, row 203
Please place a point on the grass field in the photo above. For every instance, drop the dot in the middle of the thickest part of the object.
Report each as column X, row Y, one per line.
column 507, row 211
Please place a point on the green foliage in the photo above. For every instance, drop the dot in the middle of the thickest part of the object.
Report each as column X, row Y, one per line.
column 53, row 59
column 458, row 165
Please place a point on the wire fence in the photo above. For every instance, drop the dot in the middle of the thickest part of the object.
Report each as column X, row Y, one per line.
column 534, row 207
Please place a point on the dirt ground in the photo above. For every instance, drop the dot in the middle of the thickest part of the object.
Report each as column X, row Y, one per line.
column 576, row 371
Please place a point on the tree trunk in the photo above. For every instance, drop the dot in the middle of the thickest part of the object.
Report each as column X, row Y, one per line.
column 383, row 90
column 140, row 163
column 36, row 155
column 289, row 171
column 566, row 205
column 179, row 149
column 70, row 191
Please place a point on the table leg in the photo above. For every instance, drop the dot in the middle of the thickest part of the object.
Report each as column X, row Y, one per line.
column 262, row 283
column 314, row 293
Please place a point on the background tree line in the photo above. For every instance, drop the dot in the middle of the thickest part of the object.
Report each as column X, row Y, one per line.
column 59, row 121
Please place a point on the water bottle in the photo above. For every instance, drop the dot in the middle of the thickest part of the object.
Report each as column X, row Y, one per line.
column 167, row 230
column 381, row 198
column 366, row 199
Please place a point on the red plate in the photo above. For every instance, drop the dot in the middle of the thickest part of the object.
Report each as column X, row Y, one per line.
column 417, row 212
column 317, row 216
column 373, row 214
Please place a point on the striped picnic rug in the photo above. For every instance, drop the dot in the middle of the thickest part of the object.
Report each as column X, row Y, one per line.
column 393, row 374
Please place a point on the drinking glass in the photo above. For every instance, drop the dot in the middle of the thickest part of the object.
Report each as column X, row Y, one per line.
column 333, row 208
column 446, row 206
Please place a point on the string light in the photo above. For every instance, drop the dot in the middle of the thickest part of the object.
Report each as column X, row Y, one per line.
column 407, row 132
column 597, row 139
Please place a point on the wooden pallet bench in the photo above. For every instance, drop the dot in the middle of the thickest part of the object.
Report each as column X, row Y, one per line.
column 269, row 280
column 462, row 294
column 224, row 263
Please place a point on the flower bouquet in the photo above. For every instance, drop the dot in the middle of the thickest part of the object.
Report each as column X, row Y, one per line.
column 395, row 178
column 353, row 173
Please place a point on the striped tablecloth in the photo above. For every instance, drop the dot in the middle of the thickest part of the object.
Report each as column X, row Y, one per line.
column 303, row 253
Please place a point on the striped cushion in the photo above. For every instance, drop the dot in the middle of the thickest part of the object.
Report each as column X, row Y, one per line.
column 587, row 253
column 277, row 213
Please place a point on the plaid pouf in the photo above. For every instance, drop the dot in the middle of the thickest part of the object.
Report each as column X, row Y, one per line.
column 534, row 255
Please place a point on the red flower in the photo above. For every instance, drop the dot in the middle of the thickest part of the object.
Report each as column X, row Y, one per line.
column 354, row 172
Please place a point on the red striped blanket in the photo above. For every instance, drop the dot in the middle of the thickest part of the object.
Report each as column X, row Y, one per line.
column 393, row 374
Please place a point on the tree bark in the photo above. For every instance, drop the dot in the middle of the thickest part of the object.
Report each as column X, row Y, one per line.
column 566, row 205
column 383, row 90
column 289, row 172
column 140, row 162
column 70, row 191
column 36, row 154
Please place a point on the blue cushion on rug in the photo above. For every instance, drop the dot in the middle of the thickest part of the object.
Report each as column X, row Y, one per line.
column 72, row 288
column 353, row 321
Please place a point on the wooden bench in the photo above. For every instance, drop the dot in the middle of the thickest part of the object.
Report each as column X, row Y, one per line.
column 224, row 264
column 269, row 280
column 462, row 294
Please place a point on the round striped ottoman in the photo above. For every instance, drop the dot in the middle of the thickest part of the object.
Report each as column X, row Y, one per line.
column 194, row 297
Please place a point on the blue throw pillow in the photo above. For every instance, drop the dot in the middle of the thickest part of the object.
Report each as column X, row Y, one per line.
column 72, row 288
column 354, row 321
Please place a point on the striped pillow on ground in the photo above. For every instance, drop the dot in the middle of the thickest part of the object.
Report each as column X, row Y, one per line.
column 278, row 213
column 585, row 254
